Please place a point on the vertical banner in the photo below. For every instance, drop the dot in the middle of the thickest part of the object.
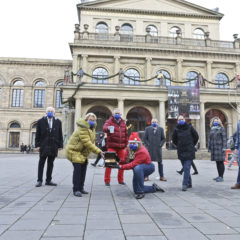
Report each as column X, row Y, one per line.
column 183, row 101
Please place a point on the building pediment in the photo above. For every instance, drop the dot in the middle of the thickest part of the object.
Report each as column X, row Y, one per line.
column 166, row 6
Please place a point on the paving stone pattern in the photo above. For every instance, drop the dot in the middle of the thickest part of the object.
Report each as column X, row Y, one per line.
column 209, row 210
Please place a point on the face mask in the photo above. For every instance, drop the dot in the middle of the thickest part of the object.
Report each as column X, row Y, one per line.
column 181, row 122
column 154, row 124
column 91, row 123
column 117, row 116
column 133, row 146
column 50, row 114
column 215, row 123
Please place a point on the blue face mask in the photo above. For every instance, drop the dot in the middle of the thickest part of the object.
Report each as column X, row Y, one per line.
column 117, row 116
column 133, row 146
column 215, row 123
column 154, row 124
column 50, row 114
column 181, row 122
column 91, row 123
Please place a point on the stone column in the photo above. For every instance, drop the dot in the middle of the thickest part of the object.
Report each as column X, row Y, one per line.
column 230, row 129
column 179, row 69
column 116, row 68
column 237, row 68
column 121, row 107
column 238, row 111
column 78, row 111
column 148, row 68
column 202, row 126
column 75, row 67
column 84, row 66
column 162, row 114
column 209, row 71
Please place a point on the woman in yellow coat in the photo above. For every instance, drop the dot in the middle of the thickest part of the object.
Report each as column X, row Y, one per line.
column 80, row 145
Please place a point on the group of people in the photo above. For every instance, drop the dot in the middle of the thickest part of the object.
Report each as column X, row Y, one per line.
column 25, row 148
column 132, row 153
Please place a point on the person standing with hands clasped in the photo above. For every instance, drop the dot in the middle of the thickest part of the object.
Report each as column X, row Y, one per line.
column 140, row 163
column 79, row 146
column 48, row 141
column 117, row 140
column 154, row 139
column 185, row 138
column 217, row 144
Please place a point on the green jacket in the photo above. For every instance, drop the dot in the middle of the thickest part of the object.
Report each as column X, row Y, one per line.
column 81, row 143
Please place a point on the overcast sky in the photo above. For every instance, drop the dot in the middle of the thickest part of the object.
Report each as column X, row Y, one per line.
column 43, row 29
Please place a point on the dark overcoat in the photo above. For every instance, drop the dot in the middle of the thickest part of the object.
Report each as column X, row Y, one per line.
column 217, row 143
column 185, row 137
column 154, row 142
column 49, row 141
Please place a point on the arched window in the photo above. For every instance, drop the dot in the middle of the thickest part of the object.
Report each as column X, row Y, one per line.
column 126, row 33
column 153, row 30
column 17, row 93
column 59, row 95
column 102, row 27
column 100, row 76
column 14, row 135
column 191, row 76
column 34, row 126
column 173, row 31
column 198, row 33
column 133, row 74
column 39, row 94
column 165, row 78
column 221, row 78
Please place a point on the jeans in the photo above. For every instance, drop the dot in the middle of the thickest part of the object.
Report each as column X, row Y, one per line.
column 160, row 169
column 79, row 174
column 187, row 180
column 139, row 173
column 41, row 164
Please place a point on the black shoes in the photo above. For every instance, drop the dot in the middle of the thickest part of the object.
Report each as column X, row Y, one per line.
column 122, row 183
column 50, row 183
column 77, row 194
column 93, row 164
column 139, row 196
column 38, row 184
column 184, row 188
column 195, row 173
column 158, row 189
column 84, row 192
column 179, row 172
column 107, row 184
column 189, row 186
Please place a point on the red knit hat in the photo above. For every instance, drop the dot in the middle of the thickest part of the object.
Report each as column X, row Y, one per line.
column 134, row 137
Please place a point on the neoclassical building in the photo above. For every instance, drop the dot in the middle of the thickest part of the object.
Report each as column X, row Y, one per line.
column 120, row 49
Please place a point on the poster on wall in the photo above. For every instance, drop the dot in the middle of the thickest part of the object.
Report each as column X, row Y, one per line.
column 183, row 101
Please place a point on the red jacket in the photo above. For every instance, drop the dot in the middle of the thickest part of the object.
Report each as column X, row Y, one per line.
column 118, row 139
column 141, row 157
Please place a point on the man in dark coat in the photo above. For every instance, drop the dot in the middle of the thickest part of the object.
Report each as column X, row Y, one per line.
column 48, row 141
column 185, row 138
column 117, row 140
column 154, row 139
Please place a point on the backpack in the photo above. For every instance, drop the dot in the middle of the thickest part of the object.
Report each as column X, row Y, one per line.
column 230, row 143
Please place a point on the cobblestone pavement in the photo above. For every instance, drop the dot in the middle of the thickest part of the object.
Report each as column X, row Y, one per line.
column 209, row 210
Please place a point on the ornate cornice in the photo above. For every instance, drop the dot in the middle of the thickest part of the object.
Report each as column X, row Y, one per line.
column 149, row 12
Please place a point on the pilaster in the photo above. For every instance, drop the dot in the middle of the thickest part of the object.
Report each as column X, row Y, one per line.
column 202, row 126
column 78, row 111
column 121, row 107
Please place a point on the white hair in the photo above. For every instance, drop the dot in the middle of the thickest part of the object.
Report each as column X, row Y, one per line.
column 88, row 115
column 50, row 109
column 154, row 119
column 116, row 110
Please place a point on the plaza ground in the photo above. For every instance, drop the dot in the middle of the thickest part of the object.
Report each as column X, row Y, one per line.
column 209, row 210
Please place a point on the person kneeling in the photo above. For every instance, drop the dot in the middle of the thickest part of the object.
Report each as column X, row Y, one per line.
column 140, row 163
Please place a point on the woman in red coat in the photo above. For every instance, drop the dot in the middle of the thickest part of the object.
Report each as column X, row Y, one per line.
column 141, row 165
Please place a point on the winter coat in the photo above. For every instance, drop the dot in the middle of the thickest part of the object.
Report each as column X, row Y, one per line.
column 185, row 138
column 237, row 142
column 217, row 143
column 81, row 143
column 141, row 157
column 154, row 142
column 48, row 140
column 118, row 139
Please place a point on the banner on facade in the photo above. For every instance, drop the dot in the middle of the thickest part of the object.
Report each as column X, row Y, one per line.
column 183, row 101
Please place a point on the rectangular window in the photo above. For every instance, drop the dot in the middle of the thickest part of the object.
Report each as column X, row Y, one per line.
column 17, row 98
column 14, row 139
column 39, row 98
column 58, row 99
